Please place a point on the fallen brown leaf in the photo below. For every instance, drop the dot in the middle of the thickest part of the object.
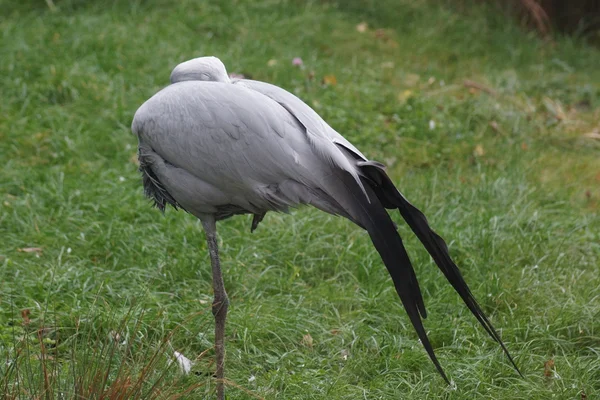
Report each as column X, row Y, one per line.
column 25, row 315
column 524, row 146
column 478, row 151
column 548, row 367
column 36, row 250
column 494, row 126
column 362, row 27
column 330, row 80
column 307, row 340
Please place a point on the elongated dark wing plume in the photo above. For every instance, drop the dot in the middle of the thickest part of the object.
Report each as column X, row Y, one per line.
column 376, row 220
column 435, row 245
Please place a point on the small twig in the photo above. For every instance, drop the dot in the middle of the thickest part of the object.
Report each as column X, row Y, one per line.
column 475, row 85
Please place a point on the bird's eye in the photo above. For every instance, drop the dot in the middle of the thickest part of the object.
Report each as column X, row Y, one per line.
column 205, row 76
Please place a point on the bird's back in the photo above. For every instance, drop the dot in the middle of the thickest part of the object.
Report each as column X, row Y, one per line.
column 305, row 114
column 242, row 146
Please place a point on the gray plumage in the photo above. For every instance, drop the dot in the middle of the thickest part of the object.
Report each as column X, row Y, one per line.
column 218, row 147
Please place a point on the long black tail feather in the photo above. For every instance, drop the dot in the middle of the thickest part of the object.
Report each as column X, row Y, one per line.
column 388, row 243
column 435, row 246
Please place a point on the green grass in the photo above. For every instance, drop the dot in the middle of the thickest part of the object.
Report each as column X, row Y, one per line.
column 507, row 177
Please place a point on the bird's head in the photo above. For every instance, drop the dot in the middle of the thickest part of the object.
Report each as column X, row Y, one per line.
column 200, row 69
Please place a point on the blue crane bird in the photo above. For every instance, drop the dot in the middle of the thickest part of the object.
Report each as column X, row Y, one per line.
column 216, row 147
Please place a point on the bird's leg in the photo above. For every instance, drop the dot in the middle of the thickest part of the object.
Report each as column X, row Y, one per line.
column 220, row 301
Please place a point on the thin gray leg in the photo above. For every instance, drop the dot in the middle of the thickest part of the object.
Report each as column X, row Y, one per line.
column 220, row 302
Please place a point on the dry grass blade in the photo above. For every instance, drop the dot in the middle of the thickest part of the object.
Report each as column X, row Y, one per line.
column 538, row 14
column 475, row 85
